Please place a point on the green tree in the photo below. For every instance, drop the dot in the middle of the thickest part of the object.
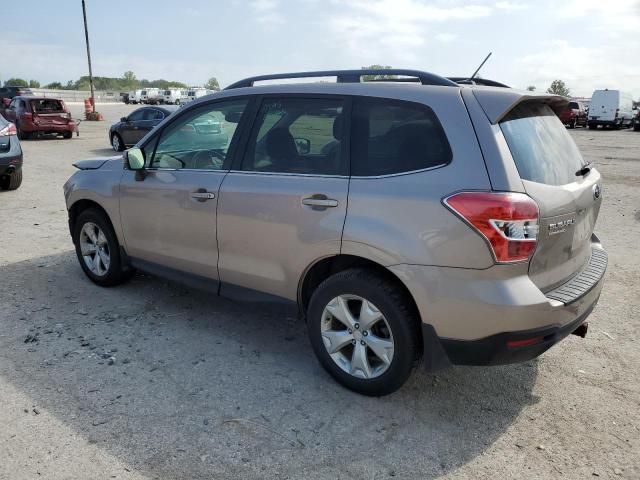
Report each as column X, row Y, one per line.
column 212, row 84
column 531, row 88
column 16, row 82
column 54, row 86
column 558, row 87
column 368, row 78
column 34, row 84
column 129, row 80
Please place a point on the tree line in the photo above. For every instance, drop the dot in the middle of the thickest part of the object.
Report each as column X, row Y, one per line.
column 127, row 82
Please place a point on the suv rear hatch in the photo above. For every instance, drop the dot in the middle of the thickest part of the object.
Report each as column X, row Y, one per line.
column 566, row 190
column 50, row 111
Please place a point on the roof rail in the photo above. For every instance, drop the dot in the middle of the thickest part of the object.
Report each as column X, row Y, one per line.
column 349, row 76
column 477, row 81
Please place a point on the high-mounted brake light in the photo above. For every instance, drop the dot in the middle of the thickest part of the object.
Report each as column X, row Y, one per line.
column 8, row 130
column 508, row 221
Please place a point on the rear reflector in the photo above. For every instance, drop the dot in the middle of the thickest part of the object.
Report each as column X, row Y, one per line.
column 527, row 342
column 508, row 221
column 8, row 130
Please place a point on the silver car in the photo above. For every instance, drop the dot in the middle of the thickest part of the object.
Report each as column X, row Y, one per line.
column 406, row 220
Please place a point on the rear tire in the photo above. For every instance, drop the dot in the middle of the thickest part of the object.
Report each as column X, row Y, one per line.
column 592, row 127
column 22, row 135
column 12, row 182
column 98, row 250
column 395, row 335
column 573, row 123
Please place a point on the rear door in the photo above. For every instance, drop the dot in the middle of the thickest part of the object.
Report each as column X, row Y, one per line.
column 568, row 194
column 284, row 205
column 603, row 105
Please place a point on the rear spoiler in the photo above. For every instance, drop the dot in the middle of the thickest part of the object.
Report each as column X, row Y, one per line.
column 498, row 102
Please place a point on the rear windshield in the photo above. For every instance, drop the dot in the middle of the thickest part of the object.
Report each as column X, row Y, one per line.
column 542, row 148
column 46, row 106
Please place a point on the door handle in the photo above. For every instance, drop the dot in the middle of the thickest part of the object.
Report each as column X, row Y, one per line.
column 319, row 202
column 202, row 195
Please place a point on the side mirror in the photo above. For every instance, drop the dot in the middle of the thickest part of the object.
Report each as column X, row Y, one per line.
column 124, row 119
column 303, row 145
column 134, row 159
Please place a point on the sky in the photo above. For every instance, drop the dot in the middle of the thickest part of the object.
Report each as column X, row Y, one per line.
column 587, row 43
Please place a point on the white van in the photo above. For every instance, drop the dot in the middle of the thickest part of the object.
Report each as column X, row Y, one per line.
column 174, row 96
column 192, row 94
column 610, row 107
column 146, row 93
column 134, row 96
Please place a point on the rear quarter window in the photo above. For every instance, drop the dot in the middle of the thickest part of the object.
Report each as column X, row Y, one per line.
column 542, row 149
column 393, row 136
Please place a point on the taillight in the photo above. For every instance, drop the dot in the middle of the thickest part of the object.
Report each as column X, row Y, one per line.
column 508, row 221
column 8, row 130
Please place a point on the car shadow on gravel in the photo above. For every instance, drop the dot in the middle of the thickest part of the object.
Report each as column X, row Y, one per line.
column 182, row 384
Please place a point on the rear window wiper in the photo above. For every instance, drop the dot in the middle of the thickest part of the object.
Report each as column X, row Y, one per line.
column 584, row 170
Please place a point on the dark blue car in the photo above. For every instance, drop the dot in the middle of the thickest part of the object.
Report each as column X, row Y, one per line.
column 130, row 129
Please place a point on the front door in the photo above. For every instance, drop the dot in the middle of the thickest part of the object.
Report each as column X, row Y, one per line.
column 284, row 205
column 131, row 128
column 169, row 216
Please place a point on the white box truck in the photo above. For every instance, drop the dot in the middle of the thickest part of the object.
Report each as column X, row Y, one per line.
column 611, row 108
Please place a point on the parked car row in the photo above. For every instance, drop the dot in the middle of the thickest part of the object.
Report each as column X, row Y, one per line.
column 442, row 253
column 170, row 96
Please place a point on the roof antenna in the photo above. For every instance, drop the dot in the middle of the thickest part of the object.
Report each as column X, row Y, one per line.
column 470, row 79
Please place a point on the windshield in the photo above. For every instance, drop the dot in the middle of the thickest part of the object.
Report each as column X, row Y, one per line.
column 542, row 149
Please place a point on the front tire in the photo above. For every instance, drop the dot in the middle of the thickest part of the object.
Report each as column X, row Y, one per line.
column 364, row 331
column 67, row 135
column 98, row 250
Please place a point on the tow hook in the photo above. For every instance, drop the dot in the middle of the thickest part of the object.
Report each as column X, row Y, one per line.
column 581, row 331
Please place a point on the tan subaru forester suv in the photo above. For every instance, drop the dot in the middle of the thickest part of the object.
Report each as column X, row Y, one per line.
column 407, row 220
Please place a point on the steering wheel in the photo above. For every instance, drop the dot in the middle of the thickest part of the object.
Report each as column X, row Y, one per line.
column 203, row 160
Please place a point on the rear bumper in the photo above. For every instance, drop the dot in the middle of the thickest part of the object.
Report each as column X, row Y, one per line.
column 498, row 315
column 497, row 349
column 11, row 159
column 33, row 127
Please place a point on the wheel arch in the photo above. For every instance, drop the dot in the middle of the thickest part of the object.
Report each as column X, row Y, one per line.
column 84, row 204
column 323, row 268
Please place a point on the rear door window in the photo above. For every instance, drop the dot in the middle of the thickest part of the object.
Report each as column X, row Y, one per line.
column 541, row 147
column 297, row 135
column 392, row 136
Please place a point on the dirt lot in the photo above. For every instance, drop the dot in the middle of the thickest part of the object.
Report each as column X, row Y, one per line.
column 205, row 388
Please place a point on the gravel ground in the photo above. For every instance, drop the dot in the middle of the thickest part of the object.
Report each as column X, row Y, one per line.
column 152, row 380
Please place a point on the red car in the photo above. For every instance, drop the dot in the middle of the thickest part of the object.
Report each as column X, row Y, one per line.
column 40, row 115
column 575, row 114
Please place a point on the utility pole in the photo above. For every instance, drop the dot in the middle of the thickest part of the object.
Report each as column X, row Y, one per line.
column 86, row 36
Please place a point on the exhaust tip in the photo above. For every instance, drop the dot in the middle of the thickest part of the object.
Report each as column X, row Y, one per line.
column 582, row 330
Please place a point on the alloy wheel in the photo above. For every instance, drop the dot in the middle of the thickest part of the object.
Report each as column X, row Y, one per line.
column 357, row 336
column 94, row 248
